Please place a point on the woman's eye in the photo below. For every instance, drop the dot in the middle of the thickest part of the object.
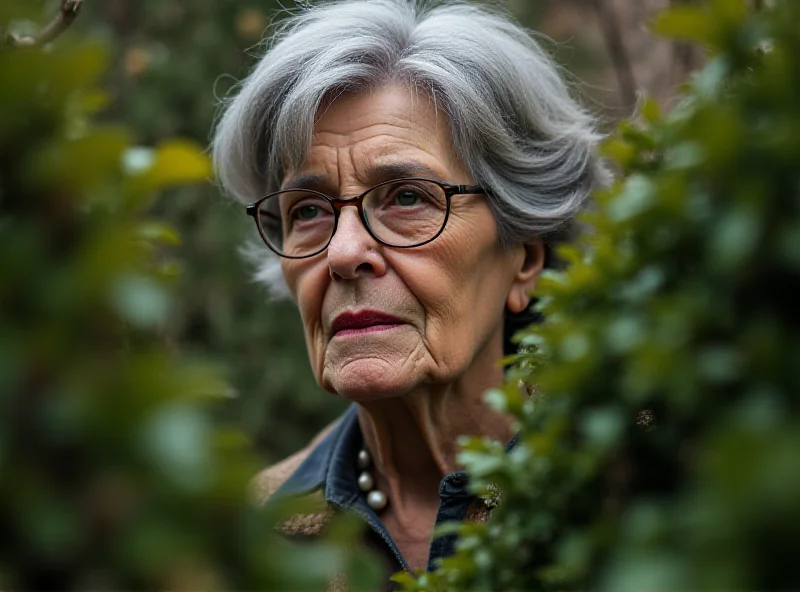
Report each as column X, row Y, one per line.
column 407, row 198
column 306, row 212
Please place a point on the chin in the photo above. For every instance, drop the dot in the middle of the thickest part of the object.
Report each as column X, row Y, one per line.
column 369, row 380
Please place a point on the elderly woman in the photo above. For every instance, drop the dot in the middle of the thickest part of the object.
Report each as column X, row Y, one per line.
column 409, row 167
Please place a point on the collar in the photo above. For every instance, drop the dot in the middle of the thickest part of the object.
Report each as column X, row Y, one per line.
column 313, row 473
column 330, row 466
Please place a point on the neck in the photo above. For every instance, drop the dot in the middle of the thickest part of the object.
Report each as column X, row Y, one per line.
column 414, row 439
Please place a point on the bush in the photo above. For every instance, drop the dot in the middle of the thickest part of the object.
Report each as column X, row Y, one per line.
column 114, row 471
column 660, row 450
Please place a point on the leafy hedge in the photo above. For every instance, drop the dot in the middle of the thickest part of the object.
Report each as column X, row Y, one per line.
column 661, row 449
column 115, row 471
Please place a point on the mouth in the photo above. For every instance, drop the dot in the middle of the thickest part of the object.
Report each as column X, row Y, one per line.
column 363, row 322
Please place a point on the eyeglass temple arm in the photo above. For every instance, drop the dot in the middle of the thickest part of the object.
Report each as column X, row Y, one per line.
column 252, row 209
column 464, row 189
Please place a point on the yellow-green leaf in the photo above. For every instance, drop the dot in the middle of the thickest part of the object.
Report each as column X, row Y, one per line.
column 619, row 151
column 179, row 162
column 91, row 102
column 687, row 23
column 159, row 232
column 651, row 111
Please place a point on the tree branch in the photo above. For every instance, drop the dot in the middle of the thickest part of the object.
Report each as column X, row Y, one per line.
column 616, row 47
column 68, row 13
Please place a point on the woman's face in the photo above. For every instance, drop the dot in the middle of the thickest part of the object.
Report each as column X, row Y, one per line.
column 380, row 321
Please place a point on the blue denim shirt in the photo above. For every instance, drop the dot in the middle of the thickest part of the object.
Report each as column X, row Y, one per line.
column 331, row 467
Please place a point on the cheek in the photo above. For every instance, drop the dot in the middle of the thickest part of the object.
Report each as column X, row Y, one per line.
column 460, row 318
column 307, row 281
column 464, row 284
column 461, row 292
column 457, row 269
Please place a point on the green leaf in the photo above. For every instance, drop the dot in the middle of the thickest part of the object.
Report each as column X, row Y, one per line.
column 687, row 23
column 620, row 151
column 603, row 427
column 735, row 238
column 177, row 162
column 160, row 232
column 178, row 441
column 651, row 112
column 636, row 197
column 497, row 400
column 480, row 464
column 140, row 301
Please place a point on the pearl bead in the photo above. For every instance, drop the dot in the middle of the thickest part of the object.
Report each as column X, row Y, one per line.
column 364, row 459
column 365, row 481
column 376, row 500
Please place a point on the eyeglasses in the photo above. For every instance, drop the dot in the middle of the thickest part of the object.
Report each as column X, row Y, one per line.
column 401, row 213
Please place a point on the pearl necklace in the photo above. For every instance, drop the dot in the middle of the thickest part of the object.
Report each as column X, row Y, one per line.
column 376, row 499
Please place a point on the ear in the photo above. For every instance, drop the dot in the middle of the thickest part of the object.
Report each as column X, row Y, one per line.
column 525, row 278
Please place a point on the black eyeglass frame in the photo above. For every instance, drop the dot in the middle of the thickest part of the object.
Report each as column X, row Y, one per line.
column 337, row 203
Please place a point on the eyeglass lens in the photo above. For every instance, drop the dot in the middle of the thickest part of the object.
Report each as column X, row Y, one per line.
column 404, row 213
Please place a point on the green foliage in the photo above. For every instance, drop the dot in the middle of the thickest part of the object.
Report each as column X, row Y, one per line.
column 660, row 450
column 171, row 61
column 115, row 471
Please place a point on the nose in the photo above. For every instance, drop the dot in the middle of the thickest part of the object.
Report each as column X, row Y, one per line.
column 352, row 252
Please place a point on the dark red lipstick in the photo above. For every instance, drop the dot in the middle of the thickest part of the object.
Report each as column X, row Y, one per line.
column 363, row 321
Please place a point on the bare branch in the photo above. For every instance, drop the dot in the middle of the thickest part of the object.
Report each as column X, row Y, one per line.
column 619, row 55
column 68, row 13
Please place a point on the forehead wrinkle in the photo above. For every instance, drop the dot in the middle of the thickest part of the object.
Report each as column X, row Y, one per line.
column 367, row 165
column 345, row 163
column 353, row 151
column 368, row 169
column 399, row 157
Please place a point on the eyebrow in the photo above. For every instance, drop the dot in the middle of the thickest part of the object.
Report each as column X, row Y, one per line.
column 304, row 182
column 375, row 173
column 389, row 170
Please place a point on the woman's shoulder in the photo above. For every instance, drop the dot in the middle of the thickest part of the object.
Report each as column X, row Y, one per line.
column 269, row 480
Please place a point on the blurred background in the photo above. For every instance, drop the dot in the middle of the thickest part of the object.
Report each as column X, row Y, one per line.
column 172, row 62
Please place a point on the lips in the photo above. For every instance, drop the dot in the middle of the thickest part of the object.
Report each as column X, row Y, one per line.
column 364, row 321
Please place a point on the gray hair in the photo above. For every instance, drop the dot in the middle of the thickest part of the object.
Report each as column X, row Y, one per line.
column 514, row 124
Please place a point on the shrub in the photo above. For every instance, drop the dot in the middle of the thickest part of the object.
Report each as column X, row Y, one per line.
column 661, row 448
column 114, row 473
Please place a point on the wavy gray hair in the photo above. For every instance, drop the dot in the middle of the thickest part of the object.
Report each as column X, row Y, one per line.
column 513, row 121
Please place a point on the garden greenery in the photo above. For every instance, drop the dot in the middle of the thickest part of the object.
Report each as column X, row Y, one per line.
column 661, row 447
column 115, row 470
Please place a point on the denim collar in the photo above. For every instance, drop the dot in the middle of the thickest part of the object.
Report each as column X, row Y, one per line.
column 313, row 472
column 332, row 461
column 331, row 466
